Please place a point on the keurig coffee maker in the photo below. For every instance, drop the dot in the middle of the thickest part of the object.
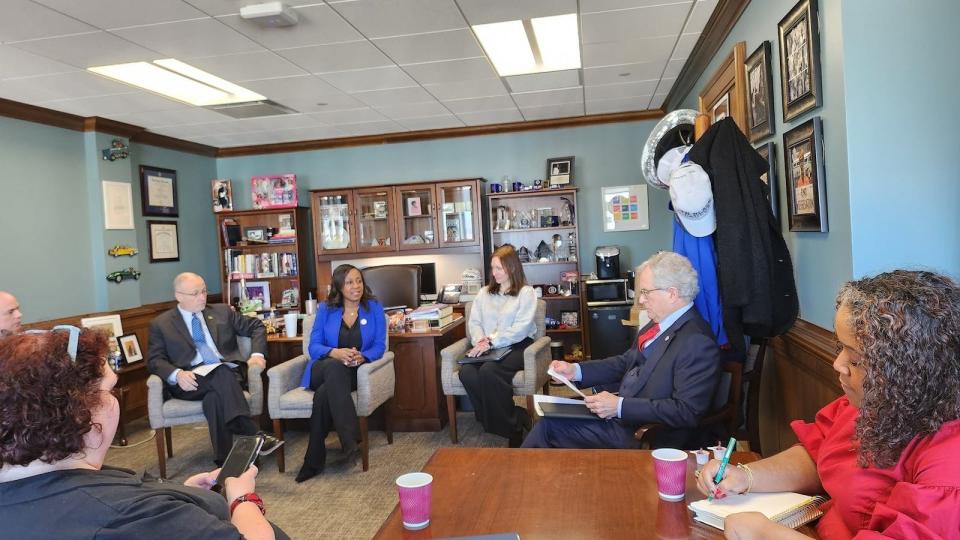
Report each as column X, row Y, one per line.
column 608, row 262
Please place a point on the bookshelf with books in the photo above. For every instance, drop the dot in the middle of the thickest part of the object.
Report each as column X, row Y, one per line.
column 265, row 258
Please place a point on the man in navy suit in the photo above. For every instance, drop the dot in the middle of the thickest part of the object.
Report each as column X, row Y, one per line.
column 668, row 377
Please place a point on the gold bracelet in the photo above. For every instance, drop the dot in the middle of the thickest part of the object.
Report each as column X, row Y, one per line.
column 749, row 477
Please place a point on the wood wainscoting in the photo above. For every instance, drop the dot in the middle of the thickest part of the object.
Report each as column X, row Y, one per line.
column 798, row 380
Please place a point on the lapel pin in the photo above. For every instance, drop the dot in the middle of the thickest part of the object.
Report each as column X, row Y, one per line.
column 666, row 338
column 363, row 321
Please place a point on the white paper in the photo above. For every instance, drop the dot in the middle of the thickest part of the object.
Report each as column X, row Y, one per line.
column 205, row 369
column 565, row 381
column 160, row 191
column 540, row 398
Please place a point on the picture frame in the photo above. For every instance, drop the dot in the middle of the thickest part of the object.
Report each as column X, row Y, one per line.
column 799, row 35
column 720, row 109
column 570, row 318
column 759, row 82
column 805, row 183
column 274, row 191
column 130, row 348
column 413, row 206
column 106, row 323
column 117, row 205
column 286, row 222
column 560, row 170
column 158, row 191
column 769, row 152
column 222, row 193
column 625, row 208
column 164, row 241
column 257, row 234
column 258, row 290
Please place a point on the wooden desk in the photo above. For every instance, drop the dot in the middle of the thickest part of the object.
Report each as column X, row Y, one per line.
column 131, row 394
column 418, row 403
column 554, row 494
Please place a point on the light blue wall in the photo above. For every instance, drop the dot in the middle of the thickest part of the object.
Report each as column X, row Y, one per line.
column 822, row 261
column 606, row 155
column 902, row 74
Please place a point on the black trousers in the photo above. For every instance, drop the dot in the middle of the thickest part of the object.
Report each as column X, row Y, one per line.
column 331, row 382
column 490, row 387
column 224, row 406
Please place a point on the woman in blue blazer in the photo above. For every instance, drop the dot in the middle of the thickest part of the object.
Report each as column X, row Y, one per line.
column 350, row 328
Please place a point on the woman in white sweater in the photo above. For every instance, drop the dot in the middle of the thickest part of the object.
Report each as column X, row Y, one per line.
column 501, row 316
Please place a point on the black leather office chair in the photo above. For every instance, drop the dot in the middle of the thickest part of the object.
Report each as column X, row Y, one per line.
column 394, row 284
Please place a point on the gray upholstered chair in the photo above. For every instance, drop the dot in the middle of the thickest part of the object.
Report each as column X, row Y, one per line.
column 287, row 399
column 174, row 412
column 533, row 376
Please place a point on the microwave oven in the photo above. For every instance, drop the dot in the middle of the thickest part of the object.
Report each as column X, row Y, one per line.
column 607, row 292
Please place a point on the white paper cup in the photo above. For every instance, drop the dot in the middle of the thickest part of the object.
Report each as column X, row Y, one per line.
column 310, row 306
column 290, row 322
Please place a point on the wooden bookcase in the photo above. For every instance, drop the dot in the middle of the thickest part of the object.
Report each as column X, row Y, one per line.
column 287, row 273
column 544, row 273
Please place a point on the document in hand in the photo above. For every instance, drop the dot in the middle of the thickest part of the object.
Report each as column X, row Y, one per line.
column 786, row 508
column 565, row 381
column 561, row 407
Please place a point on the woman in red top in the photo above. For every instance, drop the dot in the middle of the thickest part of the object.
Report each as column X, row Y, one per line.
column 887, row 452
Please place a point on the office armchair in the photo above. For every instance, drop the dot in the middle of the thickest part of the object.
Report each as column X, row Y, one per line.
column 526, row 382
column 394, row 284
column 174, row 412
column 287, row 399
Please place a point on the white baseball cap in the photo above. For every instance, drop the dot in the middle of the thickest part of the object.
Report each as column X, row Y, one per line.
column 669, row 162
column 692, row 198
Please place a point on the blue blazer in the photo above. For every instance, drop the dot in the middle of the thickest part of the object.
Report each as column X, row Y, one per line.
column 326, row 334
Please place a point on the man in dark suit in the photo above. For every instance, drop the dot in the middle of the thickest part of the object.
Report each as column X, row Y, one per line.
column 668, row 377
column 193, row 348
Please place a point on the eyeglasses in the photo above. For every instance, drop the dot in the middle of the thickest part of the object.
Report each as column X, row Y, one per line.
column 193, row 294
column 646, row 292
column 71, row 343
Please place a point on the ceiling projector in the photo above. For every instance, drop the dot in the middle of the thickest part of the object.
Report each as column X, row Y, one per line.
column 271, row 14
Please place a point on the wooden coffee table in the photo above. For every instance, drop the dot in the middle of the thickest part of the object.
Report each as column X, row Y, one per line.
column 554, row 494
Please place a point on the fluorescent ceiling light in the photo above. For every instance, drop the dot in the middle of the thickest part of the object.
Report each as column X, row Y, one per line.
column 182, row 82
column 531, row 46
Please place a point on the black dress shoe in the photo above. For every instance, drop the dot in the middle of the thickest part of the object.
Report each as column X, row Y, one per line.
column 270, row 443
column 524, row 421
column 348, row 459
column 307, row 472
column 516, row 439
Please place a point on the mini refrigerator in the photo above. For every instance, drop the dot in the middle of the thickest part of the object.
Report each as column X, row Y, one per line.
column 608, row 336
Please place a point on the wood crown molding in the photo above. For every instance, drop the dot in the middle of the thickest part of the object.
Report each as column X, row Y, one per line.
column 470, row 131
column 718, row 27
column 40, row 115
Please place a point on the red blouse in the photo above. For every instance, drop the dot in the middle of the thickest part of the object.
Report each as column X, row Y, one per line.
column 919, row 497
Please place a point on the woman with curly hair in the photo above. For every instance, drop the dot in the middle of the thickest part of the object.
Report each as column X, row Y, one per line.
column 886, row 451
column 57, row 418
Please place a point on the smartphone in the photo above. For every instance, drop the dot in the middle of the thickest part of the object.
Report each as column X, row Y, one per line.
column 242, row 455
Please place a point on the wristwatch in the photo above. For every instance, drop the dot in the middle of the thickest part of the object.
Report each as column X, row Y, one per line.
column 249, row 497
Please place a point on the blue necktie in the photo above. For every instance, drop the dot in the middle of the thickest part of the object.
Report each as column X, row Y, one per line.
column 201, row 342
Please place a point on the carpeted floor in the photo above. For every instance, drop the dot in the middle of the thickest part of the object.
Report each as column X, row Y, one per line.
column 338, row 504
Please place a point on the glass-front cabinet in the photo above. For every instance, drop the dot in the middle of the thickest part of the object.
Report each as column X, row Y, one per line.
column 418, row 216
column 375, row 221
column 332, row 218
column 458, row 217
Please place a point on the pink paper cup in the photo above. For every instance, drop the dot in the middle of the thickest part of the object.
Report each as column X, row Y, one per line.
column 670, row 465
column 415, row 491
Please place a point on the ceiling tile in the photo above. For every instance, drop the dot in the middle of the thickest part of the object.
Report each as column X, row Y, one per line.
column 549, row 97
column 625, row 24
column 657, row 101
column 674, row 67
column 16, row 63
column 617, row 91
column 321, row 103
column 350, row 116
column 395, row 96
column 483, row 118
column 685, row 45
column 307, row 87
column 369, row 79
column 61, row 86
column 218, row 7
column 413, row 110
column 385, row 18
column 87, row 50
column 304, row 134
column 247, row 66
column 544, row 81
column 451, row 71
column 189, row 39
column 352, row 55
column 26, row 20
column 631, row 51
column 316, row 25
column 467, row 89
column 646, row 71
column 432, row 47
column 566, row 110
column 604, row 106
column 493, row 103
column 369, row 128
column 594, row 6
column 185, row 115
column 701, row 13
column 283, row 121
column 105, row 106
column 665, row 85
column 488, row 11
column 431, row 122
column 108, row 14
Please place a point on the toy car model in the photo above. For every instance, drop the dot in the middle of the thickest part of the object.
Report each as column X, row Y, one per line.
column 121, row 275
column 119, row 251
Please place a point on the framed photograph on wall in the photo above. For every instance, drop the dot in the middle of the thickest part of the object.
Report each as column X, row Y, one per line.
column 117, row 205
column 799, row 60
column 222, row 192
column 164, row 242
column 769, row 153
column 274, row 191
column 625, row 208
column 559, row 171
column 720, row 109
column 158, row 191
column 759, row 104
column 805, row 182
column 130, row 348
column 110, row 324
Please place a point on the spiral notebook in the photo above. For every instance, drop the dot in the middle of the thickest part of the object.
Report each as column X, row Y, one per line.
column 786, row 508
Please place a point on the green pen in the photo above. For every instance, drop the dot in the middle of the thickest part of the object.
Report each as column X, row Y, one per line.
column 723, row 465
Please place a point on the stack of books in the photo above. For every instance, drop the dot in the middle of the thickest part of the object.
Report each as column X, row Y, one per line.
column 436, row 315
column 284, row 236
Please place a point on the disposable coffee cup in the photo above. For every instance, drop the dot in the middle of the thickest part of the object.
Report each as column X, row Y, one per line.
column 670, row 466
column 415, row 490
column 311, row 306
column 290, row 322
column 556, row 350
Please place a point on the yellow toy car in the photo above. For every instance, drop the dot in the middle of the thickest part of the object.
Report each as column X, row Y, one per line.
column 119, row 251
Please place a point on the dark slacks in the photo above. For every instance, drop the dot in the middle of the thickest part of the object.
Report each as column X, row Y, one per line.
column 490, row 388
column 570, row 433
column 224, row 406
column 331, row 382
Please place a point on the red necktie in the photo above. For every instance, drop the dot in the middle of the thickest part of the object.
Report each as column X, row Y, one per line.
column 648, row 335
